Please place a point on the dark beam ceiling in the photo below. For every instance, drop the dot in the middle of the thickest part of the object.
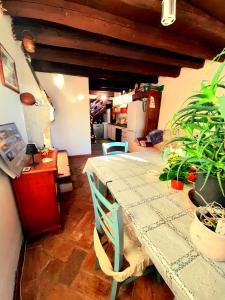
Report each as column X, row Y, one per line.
column 102, row 61
column 51, row 67
column 205, row 16
column 119, row 43
column 92, row 20
column 47, row 34
column 215, row 8
column 107, row 85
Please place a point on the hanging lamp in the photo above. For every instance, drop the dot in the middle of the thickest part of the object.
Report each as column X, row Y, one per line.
column 28, row 41
column 168, row 12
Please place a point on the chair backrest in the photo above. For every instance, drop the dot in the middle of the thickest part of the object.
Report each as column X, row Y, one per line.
column 103, row 221
column 106, row 147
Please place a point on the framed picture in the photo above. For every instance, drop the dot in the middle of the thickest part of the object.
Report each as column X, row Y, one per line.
column 12, row 147
column 8, row 70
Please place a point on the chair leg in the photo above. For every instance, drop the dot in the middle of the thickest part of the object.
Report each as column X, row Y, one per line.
column 97, row 265
column 114, row 289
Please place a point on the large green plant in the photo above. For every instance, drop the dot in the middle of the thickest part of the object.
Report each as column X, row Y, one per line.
column 200, row 128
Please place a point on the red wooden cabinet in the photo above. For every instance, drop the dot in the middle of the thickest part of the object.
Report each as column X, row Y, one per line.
column 36, row 197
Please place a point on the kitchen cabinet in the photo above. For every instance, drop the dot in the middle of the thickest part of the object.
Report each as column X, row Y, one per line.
column 113, row 133
column 109, row 131
column 98, row 131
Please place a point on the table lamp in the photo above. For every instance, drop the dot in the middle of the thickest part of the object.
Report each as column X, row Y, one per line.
column 31, row 150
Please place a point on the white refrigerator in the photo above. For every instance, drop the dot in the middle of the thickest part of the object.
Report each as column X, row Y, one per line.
column 136, row 118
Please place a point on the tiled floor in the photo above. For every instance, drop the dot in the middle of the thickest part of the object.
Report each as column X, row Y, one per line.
column 61, row 267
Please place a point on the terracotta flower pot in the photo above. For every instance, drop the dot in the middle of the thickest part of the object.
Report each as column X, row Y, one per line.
column 177, row 185
column 209, row 243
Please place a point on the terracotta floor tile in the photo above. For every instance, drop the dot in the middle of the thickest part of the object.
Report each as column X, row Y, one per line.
column 126, row 292
column 35, row 260
column 84, row 231
column 49, row 277
column 143, row 288
column 72, row 267
column 58, row 248
column 91, row 285
column 60, row 292
column 89, row 266
column 30, row 290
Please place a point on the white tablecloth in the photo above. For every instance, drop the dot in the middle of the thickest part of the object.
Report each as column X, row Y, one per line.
column 161, row 218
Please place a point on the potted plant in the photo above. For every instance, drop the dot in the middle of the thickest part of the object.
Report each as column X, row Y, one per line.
column 200, row 133
column 208, row 231
column 171, row 172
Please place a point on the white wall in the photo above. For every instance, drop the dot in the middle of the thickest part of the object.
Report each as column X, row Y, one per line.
column 11, row 110
column 177, row 90
column 71, row 128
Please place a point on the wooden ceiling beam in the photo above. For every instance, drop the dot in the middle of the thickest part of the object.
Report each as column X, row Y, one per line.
column 62, row 68
column 109, row 85
column 212, row 7
column 105, row 62
column 100, row 93
column 113, row 88
column 99, row 22
column 53, row 36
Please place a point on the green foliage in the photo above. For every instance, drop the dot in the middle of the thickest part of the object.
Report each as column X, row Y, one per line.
column 171, row 170
column 201, row 128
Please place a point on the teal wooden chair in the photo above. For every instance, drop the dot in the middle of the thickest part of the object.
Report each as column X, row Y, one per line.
column 109, row 222
column 107, row 146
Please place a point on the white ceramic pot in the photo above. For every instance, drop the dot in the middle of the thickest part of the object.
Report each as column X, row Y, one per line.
column 209, row 243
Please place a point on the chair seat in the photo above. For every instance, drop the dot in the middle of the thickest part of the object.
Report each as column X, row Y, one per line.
column 134, row 253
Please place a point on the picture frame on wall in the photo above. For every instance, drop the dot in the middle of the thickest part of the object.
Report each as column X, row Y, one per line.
column 8, row 70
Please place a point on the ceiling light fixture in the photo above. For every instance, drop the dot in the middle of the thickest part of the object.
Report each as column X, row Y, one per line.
column 59, row 81
column 28, row 41
column 103, row 97
column 168, row 12
column 81, row 97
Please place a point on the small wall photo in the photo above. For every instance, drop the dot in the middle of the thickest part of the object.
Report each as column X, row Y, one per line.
column 8, row 70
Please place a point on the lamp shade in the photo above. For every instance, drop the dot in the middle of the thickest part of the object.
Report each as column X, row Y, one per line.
column 28, row 41
column 31, row 149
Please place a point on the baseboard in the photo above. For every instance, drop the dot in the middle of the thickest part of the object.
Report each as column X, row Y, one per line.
column 18, row 277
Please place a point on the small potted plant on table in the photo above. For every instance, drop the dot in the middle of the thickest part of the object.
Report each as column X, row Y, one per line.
column 171, row 172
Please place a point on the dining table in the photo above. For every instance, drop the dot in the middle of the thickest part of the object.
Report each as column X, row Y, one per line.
column 161, row 218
